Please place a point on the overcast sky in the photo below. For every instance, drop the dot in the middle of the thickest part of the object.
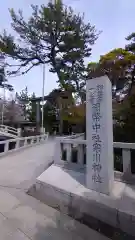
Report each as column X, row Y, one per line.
column 115, row 18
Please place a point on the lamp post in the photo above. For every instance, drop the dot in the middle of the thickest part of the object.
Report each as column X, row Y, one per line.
column 3, row 104
column 43, row 86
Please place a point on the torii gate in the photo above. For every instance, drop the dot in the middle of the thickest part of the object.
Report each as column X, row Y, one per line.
column 38, row 100
column 62, row 95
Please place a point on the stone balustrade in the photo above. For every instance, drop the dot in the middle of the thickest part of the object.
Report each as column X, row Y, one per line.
column 124, row 154
column 16, row 144
column 71, row 151
column 9, row 130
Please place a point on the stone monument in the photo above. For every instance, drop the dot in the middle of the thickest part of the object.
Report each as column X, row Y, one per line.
column 99, row 135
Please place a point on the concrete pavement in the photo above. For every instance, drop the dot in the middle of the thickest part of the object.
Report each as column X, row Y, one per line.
column 19, row 169
column 23, row 217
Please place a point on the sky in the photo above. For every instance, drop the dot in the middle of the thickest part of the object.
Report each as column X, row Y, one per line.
column 115, row 18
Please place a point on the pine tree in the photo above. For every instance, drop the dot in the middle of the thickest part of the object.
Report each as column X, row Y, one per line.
column 53, row 35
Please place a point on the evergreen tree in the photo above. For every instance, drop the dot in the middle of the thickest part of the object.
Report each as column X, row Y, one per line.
column 53, row 35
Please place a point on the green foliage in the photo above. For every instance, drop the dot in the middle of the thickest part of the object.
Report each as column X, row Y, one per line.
column 3, row 81
column 124, row 130
column 54, row 35
column 118, row 64
column 131, row 46
column 23, row 99
column 75, row 114
column 28, row 107
column 49, row 116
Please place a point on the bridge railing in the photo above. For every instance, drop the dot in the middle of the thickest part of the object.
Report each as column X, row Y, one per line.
column 9, row 130
column 72, row 152
column 16, row 144
column 70, row 149
column 124, row 154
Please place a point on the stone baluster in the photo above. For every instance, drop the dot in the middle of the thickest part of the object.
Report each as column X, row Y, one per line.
column 17, row 144
column 126, row 158
column 6, row 147
column 80, row 154
column 68, row 152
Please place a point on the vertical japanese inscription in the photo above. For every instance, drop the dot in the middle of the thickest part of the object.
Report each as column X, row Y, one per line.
column 96, row 98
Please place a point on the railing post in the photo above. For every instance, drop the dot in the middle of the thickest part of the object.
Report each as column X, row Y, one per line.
column 25, row 141
column 38, row 138
column 17, row 144
column 29, row 141
column 19, row 132
column 6, row 129
column 42, row 130
column 126, row 157
column 80, row 154
column 32, row 140
column 58, row 153
column 43, row 138
column 69, row 152
column 46, row 136
column 6, row 147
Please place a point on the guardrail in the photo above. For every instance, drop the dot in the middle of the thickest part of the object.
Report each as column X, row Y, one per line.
column 9, row 130
column 72, row 152
column 16, row 144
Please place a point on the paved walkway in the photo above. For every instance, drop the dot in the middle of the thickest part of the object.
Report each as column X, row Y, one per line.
column 22, row 217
